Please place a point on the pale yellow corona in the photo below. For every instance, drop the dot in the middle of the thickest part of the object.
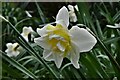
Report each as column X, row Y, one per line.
column 60, row 41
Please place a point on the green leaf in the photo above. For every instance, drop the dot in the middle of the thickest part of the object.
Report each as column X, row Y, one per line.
column 116, row 17
column 42, row 16
column 105, row 13
column 97, row 65
column 21, row 21
column 12, row 72
column 111, row 40
column 89, row 67
column 17, row 65
column 99, row 30
column 113, row 61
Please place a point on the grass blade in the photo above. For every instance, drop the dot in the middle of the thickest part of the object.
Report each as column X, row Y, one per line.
column 17, row 65
column 42, row 16
column 113, row 61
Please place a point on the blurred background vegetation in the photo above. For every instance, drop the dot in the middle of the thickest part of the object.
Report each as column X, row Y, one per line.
column 95, row 15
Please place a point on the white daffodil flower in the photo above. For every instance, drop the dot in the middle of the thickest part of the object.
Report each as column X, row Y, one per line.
column 12, row 49
column 26, row 31
column 73, row 17
column 116, row 26
column 59, row 42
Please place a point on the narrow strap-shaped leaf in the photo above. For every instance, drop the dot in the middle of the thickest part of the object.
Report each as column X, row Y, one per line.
column 115, row 65
column 97, row 65
column 42, row 16
column 91, row 71
column 17, row 65
column 21, row 21
column 116, row 17
column 11, row 71
column 111, row 40
column 100, row 33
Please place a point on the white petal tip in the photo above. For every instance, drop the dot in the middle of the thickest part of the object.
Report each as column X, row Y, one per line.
column 38, row 29
column 110, row 26
column 35, row 40
column 76, row 65
column 9, row 44
column 63, row 15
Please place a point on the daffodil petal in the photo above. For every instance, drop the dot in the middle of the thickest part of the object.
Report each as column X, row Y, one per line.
column 27, row 30
column 70, row 7
column 76, row 7
column 9, row 46
column 74, row 55
column 58, row 37
column 25, row 37
column 116, row 26
column 31, row 30
column 47, row 55
column 82, row 38
column 15, row 44
column 73, row 17
column 15, row 53
column 61, row 22
column 63, row 15
column 60, row 47
column 58, row 59
column 9, row 54
column 42, row 41
column 44, row 30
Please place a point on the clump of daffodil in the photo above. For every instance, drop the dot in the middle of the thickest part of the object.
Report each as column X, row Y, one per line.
column 59, row 42
column 26, row 31
column 12, row 49
column 73, row 17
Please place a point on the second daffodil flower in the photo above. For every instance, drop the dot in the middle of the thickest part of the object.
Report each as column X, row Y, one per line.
column 12, row 49
column 59, row 42
column 26, row 31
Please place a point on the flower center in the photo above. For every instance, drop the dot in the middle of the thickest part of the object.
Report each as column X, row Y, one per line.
column 59, row 39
